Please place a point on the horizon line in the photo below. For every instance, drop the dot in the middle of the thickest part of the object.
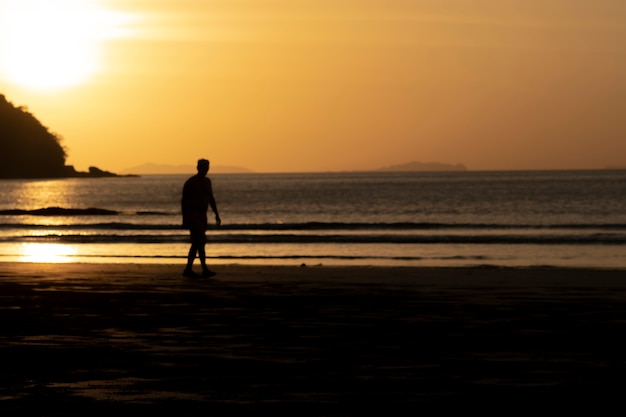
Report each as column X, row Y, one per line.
column 384, row 171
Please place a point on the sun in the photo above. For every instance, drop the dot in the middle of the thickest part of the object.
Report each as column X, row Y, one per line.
column 52, row 44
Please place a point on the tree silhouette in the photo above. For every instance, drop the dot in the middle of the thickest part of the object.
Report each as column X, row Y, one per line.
column 27, row 148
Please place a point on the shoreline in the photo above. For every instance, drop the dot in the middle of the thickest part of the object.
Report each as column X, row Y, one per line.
column 100, row 272
column 321, row 340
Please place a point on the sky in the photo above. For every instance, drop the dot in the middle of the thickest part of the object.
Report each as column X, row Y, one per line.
column 322, row 85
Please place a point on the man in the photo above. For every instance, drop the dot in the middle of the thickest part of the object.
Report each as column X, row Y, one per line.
column 197, row 198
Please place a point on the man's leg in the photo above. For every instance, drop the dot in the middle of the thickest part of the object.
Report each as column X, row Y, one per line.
column 191, row 257
column 202, row 256
column 206, row 272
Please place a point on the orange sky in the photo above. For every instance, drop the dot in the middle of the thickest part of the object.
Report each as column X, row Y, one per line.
column 326, row 85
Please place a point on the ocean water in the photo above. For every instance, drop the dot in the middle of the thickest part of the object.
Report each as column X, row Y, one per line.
column 555, row 218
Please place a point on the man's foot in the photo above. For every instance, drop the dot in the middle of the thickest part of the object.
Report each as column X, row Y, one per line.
column 207, row 273
column 190, row 274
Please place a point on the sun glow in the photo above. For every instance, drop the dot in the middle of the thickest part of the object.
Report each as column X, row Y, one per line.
column 53, row 44
column 46, row 252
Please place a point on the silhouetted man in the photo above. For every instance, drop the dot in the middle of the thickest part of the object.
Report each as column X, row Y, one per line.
column 197, row 198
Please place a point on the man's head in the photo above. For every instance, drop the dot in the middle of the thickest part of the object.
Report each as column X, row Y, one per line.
column 203, row 166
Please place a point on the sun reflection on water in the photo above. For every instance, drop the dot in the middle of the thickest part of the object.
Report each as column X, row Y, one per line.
column 47, row 252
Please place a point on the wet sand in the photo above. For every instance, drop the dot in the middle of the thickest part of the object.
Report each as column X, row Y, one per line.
column 87, row 339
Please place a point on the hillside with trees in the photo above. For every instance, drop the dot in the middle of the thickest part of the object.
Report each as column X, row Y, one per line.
column 28, row 149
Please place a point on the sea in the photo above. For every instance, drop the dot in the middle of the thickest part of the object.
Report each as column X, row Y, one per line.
column 515, row 219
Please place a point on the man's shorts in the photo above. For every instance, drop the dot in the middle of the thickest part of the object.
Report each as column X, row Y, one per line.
column 197, row 224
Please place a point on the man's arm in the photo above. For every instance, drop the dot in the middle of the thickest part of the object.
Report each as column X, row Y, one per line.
column 184, row 205
column 213, row 205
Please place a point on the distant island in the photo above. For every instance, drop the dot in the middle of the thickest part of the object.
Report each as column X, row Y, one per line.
column 150, row 169
column 424, row 167
column 29, row 150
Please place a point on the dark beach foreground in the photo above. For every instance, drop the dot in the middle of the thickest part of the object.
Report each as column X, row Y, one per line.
column 87, row 339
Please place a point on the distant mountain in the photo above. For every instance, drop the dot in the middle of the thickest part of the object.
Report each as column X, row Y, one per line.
column 424, row 167
column 150, row 168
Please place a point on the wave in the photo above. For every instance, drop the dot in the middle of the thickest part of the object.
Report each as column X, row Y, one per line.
column 302, row 257
column 77, row 225
column 323, row 226
column 342, row 239
column 60, row 211
column 91, row 226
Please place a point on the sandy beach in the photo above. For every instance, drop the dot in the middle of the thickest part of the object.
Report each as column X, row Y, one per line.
column 90, row 339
